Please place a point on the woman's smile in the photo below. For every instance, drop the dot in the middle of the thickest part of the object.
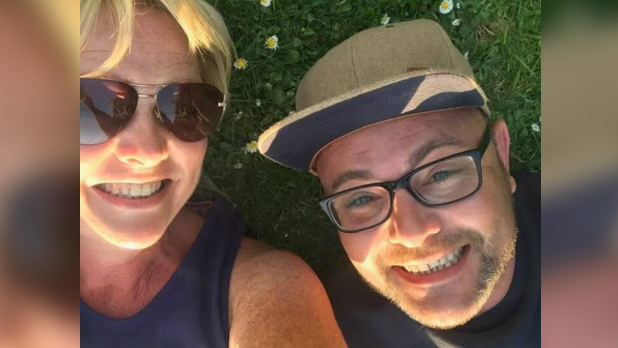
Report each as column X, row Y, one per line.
column 134, row 195
column 133, row 191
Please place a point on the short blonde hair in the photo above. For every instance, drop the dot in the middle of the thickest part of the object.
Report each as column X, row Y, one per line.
column 206, row 32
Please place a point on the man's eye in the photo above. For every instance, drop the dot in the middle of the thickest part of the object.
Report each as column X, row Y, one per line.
column 441, row 176
column 360, row 201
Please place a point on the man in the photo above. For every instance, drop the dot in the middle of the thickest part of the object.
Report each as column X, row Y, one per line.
column 416, row 179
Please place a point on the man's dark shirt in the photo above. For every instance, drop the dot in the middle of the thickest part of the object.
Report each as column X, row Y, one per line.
column 369, row 320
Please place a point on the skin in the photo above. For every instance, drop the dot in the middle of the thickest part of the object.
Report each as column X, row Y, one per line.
column 126, row 257
column 580, row 308
column 416, row 233
column 34, row 138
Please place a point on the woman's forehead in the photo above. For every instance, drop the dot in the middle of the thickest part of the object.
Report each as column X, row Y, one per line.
column 159, row 50
column 151, row 28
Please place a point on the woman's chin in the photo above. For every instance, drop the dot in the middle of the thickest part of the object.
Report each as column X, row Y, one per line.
column 134, row 239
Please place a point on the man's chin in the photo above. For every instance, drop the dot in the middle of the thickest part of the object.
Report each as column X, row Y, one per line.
column 441, row 311
column 440, row 318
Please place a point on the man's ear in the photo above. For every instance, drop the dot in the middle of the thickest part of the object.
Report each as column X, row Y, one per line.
column 502, row 140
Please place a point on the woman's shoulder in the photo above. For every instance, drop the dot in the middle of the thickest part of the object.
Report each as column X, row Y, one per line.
column 254, row 254
column 265, row 270
column 276, row 294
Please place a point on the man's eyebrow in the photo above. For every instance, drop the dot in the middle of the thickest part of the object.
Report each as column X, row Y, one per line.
column 415, row 159
column 350, row 175
column 431, row 146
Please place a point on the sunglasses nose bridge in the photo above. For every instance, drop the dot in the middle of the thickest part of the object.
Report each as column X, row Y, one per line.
column 147, row 96
column 146, row 107
column 154, row 97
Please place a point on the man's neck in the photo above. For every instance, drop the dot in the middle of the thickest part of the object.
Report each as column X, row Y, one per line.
column 502, row 287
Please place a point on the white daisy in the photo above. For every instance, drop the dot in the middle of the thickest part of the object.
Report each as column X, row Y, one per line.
column 238, row 166
column 266, row 3
column 385, row 19
column 456, row 22
column 446, row 6
column 251, row 147
column 241, row 64
column 272, row 43
column 536, row 128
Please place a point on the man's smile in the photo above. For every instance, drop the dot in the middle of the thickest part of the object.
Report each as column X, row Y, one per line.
column 438, row 264
column 442, row 270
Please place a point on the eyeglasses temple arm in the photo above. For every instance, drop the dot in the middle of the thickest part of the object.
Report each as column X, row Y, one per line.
column 486, row 139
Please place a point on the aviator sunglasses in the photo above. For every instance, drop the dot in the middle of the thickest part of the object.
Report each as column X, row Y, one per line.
column 190, row 111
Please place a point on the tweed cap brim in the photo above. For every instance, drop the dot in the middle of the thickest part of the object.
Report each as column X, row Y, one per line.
column 297, row 140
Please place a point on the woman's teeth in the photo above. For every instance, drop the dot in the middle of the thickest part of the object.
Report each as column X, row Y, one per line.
column 438, row 265
column 132, row 191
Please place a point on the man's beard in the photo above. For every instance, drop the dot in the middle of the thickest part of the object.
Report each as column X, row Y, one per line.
column 492, row 267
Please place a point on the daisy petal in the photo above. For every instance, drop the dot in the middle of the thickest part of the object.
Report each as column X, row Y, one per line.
column 446, row 6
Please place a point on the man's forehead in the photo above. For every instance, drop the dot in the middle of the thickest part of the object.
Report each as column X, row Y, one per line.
column 411, row 137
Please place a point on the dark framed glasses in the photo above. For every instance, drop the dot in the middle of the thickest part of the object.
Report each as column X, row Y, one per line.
column 190, row 111
column 441, row 182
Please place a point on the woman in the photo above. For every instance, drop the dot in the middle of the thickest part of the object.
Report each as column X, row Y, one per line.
column 154, row 272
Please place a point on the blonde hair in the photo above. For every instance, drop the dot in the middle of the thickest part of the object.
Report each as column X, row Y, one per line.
column 206, row 32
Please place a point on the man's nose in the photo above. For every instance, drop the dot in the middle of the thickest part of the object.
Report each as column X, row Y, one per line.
column 412, row 222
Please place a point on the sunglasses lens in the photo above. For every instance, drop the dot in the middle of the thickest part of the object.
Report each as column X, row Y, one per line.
column 191, row 111
column 105, row 108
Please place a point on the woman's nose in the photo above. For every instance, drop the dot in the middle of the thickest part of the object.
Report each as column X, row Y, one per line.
column 144, row 142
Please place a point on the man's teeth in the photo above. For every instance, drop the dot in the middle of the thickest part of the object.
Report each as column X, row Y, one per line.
column 132, row 191
column 438, row 265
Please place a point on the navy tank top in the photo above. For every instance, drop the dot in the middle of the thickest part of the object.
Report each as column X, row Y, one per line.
column 192, row 308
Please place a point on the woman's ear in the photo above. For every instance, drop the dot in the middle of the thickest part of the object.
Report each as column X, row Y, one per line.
column 502, row 140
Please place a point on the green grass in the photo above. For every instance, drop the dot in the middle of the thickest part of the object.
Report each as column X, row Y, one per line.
column 503, row 39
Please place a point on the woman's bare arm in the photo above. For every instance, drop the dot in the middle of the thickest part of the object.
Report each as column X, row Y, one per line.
column 276, row 300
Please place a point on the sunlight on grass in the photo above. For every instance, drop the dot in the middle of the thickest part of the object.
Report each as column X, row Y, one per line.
column 503, row 39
